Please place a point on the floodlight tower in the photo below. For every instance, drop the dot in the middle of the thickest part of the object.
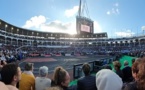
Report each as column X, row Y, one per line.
column 83, row 9
column 84, row 25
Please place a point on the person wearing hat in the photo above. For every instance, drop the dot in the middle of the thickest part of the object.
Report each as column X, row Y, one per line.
column 27, row 81
column 42, row 82
column 108, row 80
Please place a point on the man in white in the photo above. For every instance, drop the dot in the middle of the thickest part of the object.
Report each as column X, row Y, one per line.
column 42, row 82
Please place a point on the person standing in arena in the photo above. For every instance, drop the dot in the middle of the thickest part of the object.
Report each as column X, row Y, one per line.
column 88, row 81
column 117, row 67
column 42, row 82
column 138, row 72
column 27, row 81
column 11, row 75
column 127, row 72
column 108, row 80
column 61, row 78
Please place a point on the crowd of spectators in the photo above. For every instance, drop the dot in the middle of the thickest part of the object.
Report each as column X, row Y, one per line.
column 128, row 78
column 10, row 53
column 92, row 50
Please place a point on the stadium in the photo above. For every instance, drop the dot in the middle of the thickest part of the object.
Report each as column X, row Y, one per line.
column 69, row 51
column 60, row 49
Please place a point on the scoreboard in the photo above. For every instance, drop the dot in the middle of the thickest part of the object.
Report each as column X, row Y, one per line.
column 84, row 25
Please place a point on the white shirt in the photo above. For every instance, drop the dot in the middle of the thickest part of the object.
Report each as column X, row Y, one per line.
column 3, row 58
column 41, row 83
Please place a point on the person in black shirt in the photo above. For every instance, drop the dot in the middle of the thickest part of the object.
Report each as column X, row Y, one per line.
column 88, row 82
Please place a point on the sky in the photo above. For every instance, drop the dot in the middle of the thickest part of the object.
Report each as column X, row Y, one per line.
column 119, row 18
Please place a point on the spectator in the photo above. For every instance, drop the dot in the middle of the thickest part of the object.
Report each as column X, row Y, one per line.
column 117, row 66
column 27, row 79
column 108, row 80
column 88, row 81
column 135, row 68
column 127, row 72
column 136, row 72
column 61, row 78
column 42, row 82
column 2, row 63
column 11, row 74
column 3, row 58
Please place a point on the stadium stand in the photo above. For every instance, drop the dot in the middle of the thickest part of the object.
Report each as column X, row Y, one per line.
column 17, row 44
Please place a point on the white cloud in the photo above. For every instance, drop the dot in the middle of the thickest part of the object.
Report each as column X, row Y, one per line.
column 127, row 33
column 116, row 4
column 97, row 27
column 58, row 26
column 143, row 28
column 39, row 23
column 71, row 12
column 117, row 11
column 35, row 22
column 108, row 12
column 114, row 10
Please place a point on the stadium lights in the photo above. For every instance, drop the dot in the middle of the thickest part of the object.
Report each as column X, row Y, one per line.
column 37, row 34
column 6, row 26
column 123, row 41
column 90, row 43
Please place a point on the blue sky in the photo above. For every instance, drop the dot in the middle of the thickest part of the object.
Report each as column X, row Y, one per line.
column 119, row 18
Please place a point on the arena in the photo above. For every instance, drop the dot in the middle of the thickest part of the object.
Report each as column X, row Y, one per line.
column 40, row 60
column 59, row 49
